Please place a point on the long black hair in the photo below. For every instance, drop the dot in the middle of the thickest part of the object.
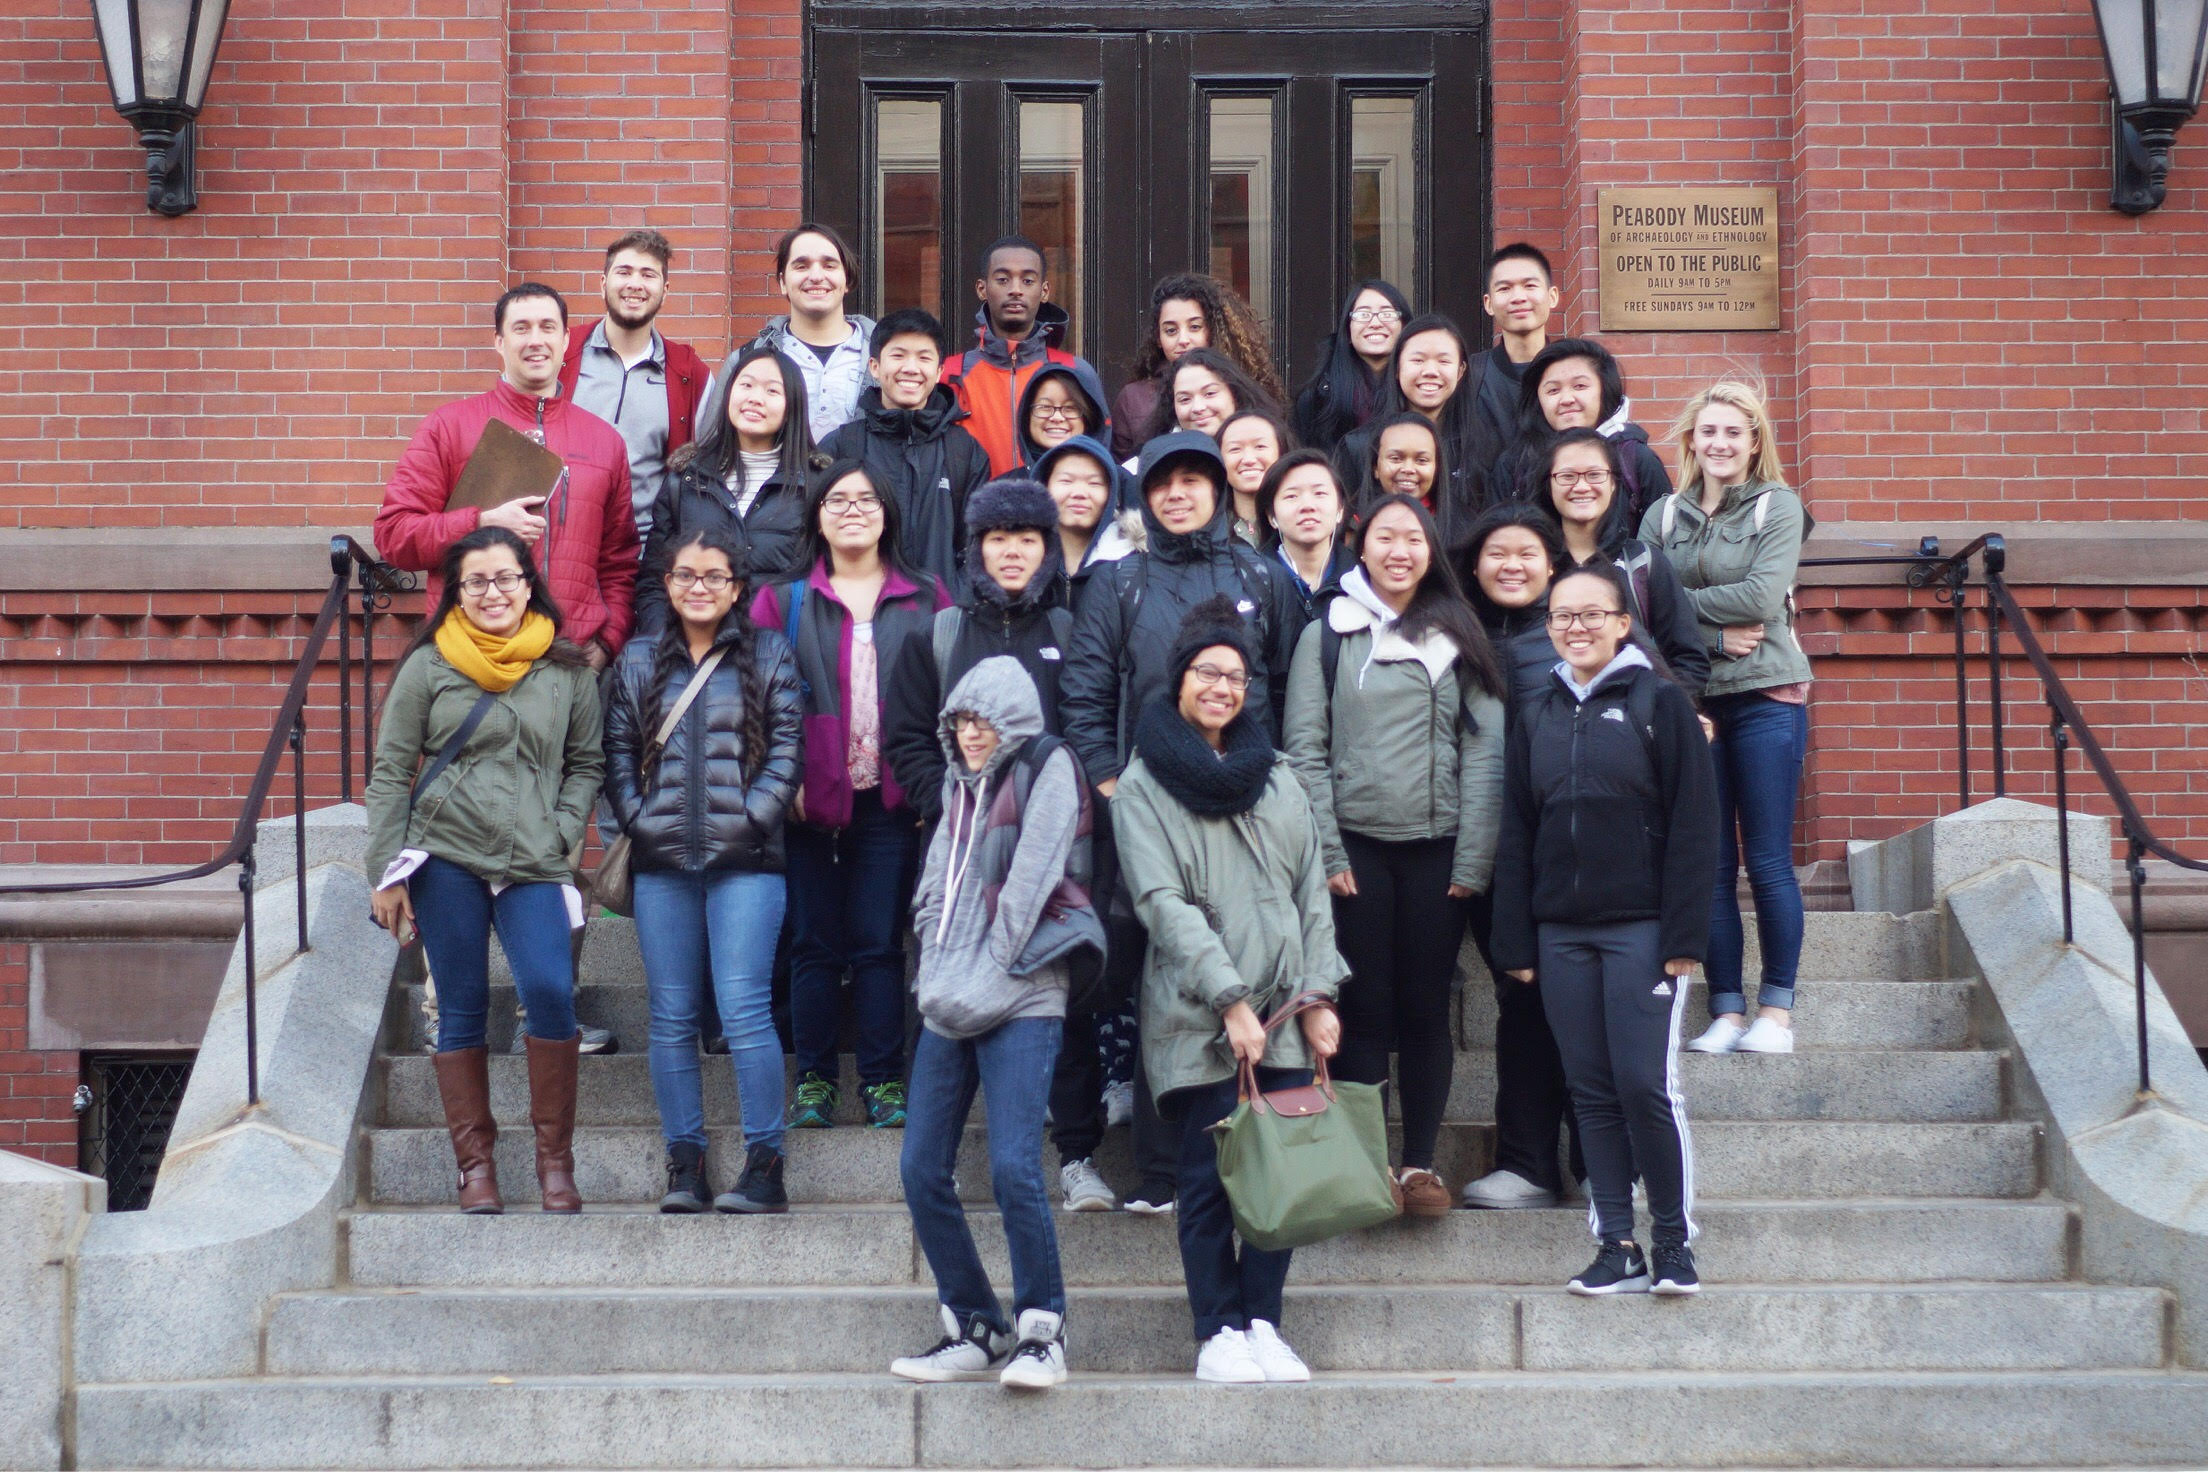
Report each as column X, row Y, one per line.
column 1525, row 516
column 1370, row 489
column 1464, row 432
column 1344, row 392
column 714, row 451
column 482, row 539
column 1616, row 525
column 813, row 544
column 672, row 653
column 1533, row 437
column 1247, row 394
column 1438, row 604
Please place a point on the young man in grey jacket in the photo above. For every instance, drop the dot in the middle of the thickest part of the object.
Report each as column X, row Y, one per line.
column 1002, row 909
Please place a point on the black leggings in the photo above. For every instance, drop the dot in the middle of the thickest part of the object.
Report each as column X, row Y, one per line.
column 1400, row 935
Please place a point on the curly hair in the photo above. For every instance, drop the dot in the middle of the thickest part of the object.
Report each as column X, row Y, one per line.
column 1247, row 393
column 1231, row 326
column 673, row 653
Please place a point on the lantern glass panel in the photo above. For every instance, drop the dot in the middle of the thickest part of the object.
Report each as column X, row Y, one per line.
column 164, row 37
column 2124, row 33
column 2177, row 49
column 113, row 19
column 206, row 36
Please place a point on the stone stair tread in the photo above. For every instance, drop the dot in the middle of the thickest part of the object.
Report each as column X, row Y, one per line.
column 1474, row 1418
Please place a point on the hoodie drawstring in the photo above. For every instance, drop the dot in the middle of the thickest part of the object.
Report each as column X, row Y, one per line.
column 960, row 863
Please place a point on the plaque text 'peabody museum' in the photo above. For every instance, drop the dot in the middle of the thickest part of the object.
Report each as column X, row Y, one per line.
column 1690, row 260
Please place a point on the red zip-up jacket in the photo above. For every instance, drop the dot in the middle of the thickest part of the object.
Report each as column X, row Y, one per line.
column 589, row 551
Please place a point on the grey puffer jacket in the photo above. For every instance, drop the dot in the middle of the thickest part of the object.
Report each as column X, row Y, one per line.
column 984, row 890
column 700, row 814
column 1738, row 567
column 1397, row 750
column 1236, row 910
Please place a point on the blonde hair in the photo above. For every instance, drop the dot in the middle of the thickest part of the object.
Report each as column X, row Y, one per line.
column 1748, row 399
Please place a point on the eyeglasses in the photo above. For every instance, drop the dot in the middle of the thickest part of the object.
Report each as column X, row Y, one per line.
column 966, row 720
column 1364, row 315
column 1564, row 480
column 1590, row 619
column 1211, row 674
column 846, row 505
column 1059, row 413
column 715, row 581
column 505, row 582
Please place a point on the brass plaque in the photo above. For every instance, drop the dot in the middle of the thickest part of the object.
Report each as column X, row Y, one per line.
column 1689, row 260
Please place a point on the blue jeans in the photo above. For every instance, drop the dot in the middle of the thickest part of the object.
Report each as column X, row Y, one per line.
column 1760, row 746
column 1012, row 1067
column 695, row 929
column 1226, row 1288
column 455, row 910
column 848, row 891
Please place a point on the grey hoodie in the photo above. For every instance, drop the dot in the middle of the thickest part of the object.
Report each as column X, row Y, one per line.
column 979, row 899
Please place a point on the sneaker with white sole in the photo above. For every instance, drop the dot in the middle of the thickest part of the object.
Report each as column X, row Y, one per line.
column 1151, row 1201
column 1039, row 1359
column 1084, row 1186
column 1766, row 1036
column 1722, row 1036
column 1671, row 1264
column 967, row 1351
column 1282, row 1365
column 1119, row 1104
column 1227, row 1359
column 1506, row 1190
column 1618, row 1268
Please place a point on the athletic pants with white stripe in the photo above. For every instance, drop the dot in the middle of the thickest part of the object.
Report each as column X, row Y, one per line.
column 1616, row 1016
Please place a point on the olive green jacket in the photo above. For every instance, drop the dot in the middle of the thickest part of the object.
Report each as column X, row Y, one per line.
column 1389, row 753
column 514, row 803
column 1735, row 573
column 1237, row 910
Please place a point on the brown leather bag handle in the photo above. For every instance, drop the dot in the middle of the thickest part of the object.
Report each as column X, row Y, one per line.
column 1246, row 1087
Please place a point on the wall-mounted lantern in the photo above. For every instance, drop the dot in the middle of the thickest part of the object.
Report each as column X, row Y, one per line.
column 159, row 55
column 2157, row 51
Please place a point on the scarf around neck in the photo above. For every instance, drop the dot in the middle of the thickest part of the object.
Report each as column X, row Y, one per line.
column 495, row 661
column 1210, row 784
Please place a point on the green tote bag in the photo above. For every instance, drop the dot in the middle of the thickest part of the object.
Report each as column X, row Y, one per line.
column 1304, row 1164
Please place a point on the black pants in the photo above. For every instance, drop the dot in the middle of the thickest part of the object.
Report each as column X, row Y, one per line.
column 1226, row 1288
column 1616, row 1019
column 1400, row 935
column 1531, row 1098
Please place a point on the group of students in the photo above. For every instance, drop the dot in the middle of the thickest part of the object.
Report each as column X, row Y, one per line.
column 1150, row 734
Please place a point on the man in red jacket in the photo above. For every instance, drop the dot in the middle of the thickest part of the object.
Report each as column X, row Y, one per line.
column 583, row 531
column 1019, row 330
column 623, row 371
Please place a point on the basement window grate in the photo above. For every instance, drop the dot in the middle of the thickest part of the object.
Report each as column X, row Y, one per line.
column 132, row 1105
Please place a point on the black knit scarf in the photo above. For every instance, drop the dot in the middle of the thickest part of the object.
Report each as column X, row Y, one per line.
column 1209, row 784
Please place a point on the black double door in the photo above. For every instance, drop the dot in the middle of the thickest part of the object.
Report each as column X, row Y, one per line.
column 1288, row 162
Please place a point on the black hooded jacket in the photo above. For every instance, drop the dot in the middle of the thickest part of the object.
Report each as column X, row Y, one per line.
column 1128, row 613
column 1097, row 420
column 701, row 815
column 1030, row 626
column 690, row 499
column 928, row 461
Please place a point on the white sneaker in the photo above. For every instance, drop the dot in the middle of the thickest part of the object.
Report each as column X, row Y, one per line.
column 1723, row 1036
column 1506, row 1190
column 1226, row 1359
column 1766, row 1036
column 967, row 1351
column 1143, row 1204
column 1039, row 1362
column 1084, row 1187
column 1280, row 1363
column 1119, row 1104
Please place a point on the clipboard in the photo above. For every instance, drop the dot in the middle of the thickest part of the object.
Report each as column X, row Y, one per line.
column 506, row 466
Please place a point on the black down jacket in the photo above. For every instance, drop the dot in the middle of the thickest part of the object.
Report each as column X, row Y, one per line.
column 700, row 815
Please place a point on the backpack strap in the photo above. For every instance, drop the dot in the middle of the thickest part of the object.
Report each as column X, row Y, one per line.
column 793, row 614
column 1330, row 654
column 1635, row 568
column 1061, row 628
column 1640, row 714
column 1671, row 514
column 944, row 637
column 1763, row 509
column 451, row 748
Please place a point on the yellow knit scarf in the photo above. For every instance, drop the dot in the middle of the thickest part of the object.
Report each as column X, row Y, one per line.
column 495, row 661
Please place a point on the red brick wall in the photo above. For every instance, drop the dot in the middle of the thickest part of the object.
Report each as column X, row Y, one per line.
column 36, row 1088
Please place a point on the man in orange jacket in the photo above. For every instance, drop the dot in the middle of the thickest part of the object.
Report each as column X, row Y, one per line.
column 1018, row 331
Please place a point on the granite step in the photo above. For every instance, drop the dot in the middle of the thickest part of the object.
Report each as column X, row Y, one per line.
column 1809, row 1159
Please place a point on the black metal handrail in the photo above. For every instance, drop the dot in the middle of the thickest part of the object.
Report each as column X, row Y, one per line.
column 353, row 568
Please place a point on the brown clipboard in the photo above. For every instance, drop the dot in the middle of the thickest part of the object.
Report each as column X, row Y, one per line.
column 506, row 466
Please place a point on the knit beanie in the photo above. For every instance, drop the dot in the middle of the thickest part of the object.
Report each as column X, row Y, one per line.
column 1211, row 624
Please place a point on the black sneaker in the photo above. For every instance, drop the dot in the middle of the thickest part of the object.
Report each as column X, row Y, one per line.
column 1673, row 1264
column 1618, row 1268
column 758, row 1190
column 687, row 1191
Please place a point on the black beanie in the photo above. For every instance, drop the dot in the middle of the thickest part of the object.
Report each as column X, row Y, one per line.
column 1211, row 624
column 1011, row 503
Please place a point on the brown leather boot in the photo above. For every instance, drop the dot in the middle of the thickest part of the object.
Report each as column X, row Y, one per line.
column 552, row 1111
column 464, row 1083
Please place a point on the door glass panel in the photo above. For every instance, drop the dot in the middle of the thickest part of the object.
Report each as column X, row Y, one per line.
column 907, row 249
column 1242, row 198
column 1053, row 211
column 1383, row 190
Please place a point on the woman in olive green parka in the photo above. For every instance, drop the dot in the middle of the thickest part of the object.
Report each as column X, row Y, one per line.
column 500, row 716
